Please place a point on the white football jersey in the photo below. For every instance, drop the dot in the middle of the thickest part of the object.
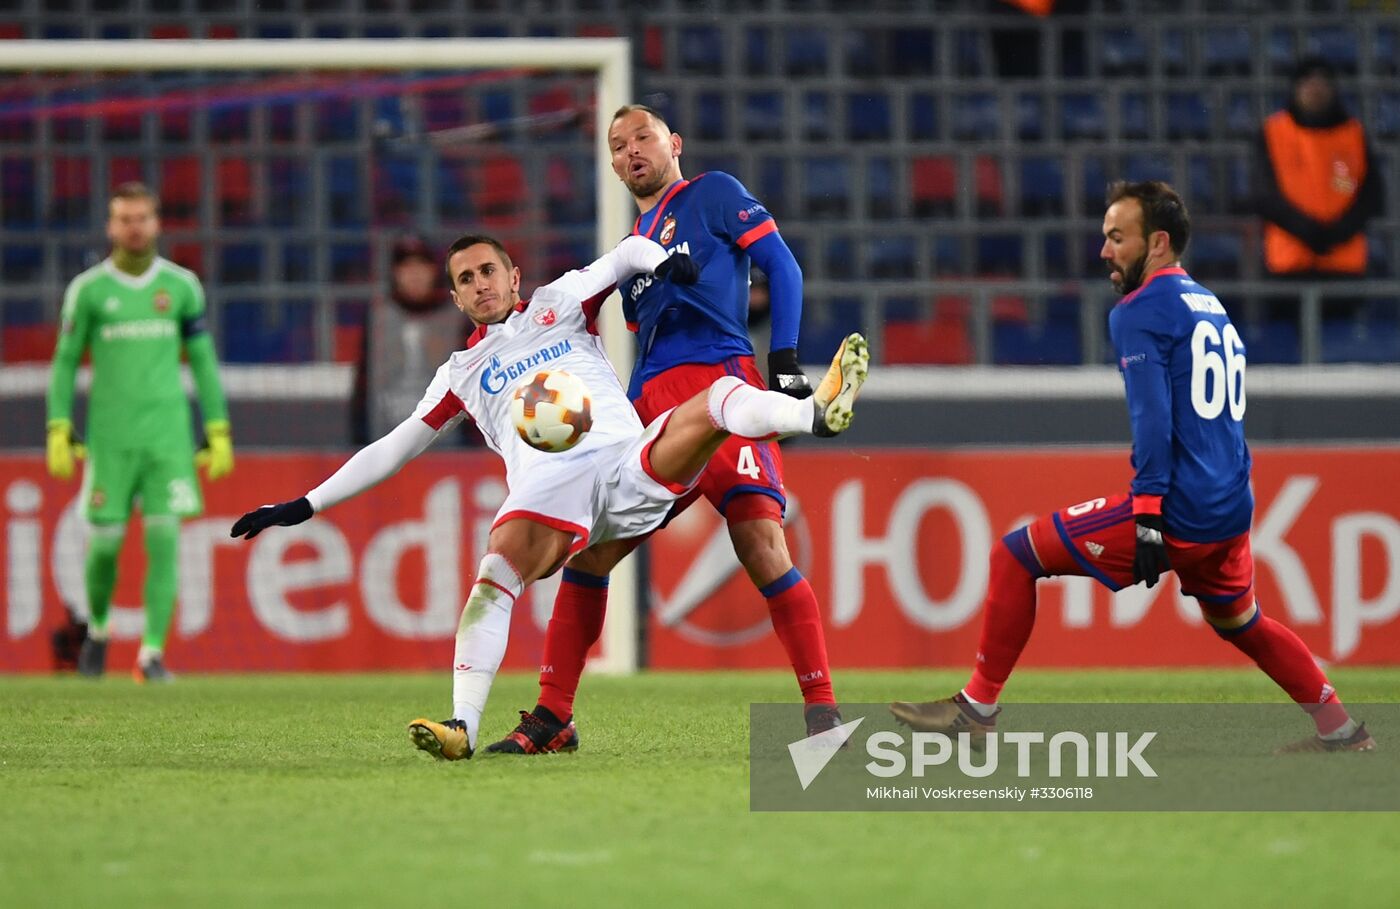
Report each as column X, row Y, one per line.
column 554, row 330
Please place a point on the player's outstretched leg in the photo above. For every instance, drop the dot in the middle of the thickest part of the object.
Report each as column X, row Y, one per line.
column 446, row 741
column 836, row 395
column 539, row 732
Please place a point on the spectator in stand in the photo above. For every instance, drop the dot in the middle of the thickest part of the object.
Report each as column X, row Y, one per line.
column 1317, row 184
column 407, row 334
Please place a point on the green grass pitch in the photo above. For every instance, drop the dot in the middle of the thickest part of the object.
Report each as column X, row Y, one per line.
column 304, row 790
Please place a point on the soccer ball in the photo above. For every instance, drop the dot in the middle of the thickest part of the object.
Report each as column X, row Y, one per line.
column 553, row 412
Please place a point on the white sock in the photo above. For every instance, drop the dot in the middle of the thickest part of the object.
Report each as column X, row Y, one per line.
column 1345, row 731
column 985, row 710
column 752, row 413
column 95, row 633
column 481, row 638
column 146, row 654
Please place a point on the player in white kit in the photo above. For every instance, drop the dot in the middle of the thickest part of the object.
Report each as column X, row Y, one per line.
column 616, row 484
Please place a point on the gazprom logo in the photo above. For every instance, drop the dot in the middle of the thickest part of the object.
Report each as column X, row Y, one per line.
column 495, row 377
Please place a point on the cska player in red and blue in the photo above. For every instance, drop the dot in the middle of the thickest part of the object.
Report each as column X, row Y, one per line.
column 687, row 338
column 1190, row 505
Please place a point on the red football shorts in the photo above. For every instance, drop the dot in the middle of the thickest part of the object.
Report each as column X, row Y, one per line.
column 1098, row 539
column 741, row 466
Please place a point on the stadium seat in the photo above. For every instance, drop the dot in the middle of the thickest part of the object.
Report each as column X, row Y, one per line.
column 240, row 263
column 893, row 257
column 1000, row 255
column 1148, row 166
column 772, row 185
column 970, row 55
column 826, row 187
column 337, row 120
column 1202, row 186
column 1360, row 341
column 1174, row 51
column 1227, row 51
column 1056, row 257
column 1338, row 43
column 21, row 263
column 987, row 186
column 349, row 330
column 1216, row 254
column 27, row 343
column 816, row 116
column 499, row 192
column 350, row 262
column 882, row 198
column 1042, row 186
column 700, row 50
column 181, row 182
column 1124, row 52
column 711, row 116
column 235, row 188
column 933, row 186
column 1242, row 119
column 653, row 47
column 806, row 52
column 758, row 51
column 1135, row 116
column 943, row 339
column 1030, row 117
column 1271, row 341
column 864, row 54
column 396, row 188
column 289, row 192
column 976, row 117
column 839, row 258
column 948, row 256
column 1188, row 116
column 345, row 200
column 1282, row 50
column 868, row 117
column 763, row 119
column 298, row 262
column 1053, row 340
column 1386, row 123
column 1385, row 42
column 922, row 120
column 1082, row 117
column 826, row 323
column 1094, row 183
column 913, row 52
column 70, row 199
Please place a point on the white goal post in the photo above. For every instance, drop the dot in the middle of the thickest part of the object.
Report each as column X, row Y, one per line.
column 608, row 59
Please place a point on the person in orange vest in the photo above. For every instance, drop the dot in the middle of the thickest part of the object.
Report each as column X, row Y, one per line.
column 1317, row 182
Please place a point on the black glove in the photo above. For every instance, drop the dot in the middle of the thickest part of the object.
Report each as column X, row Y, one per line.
column 1150, row 557
column 679, row 268
column 786, row 376
column 284, row 514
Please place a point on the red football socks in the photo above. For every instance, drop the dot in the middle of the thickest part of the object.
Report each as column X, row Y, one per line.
column 1285, row 658
column 1008, row 615
column 797, row 621
column 574, row 628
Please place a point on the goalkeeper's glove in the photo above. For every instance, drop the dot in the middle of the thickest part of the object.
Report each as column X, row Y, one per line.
column 1150, row 557
column 63, row 449
column 216, row 456
column 679, row 268
column 786, row 376
column 283, row 514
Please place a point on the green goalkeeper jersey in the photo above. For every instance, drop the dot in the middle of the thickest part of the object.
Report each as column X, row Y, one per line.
column 136, row 327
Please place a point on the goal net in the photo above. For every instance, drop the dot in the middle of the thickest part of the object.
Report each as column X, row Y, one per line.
column 289, row 173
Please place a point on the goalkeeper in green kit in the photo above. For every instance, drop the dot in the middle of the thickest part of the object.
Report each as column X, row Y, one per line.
column 136, row 312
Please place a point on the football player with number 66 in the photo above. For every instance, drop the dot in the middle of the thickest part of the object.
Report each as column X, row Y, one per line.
column 1190, row 505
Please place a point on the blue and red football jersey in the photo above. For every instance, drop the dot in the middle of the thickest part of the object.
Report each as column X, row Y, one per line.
column 714, row 219
column 1183, row 368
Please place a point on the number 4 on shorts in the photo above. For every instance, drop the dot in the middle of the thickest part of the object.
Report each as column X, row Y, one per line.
column 747, row 464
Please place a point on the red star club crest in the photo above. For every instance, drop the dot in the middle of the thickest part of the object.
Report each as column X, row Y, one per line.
column 545, row 318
